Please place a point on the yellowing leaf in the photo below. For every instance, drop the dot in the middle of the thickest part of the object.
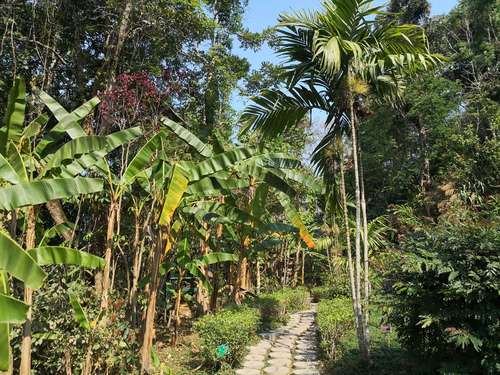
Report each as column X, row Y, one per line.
column 176, row 189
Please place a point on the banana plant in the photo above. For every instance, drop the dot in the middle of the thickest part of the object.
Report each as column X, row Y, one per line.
column 187, row 186
column 34, row 171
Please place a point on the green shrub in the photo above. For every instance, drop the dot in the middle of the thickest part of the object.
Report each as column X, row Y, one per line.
column 335, row 319
column 235, row 327
column 333, row 284
column 319, row 293
column 445, row 302
column 276, row 307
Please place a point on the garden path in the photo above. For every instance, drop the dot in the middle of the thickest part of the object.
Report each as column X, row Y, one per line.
column 289, row 350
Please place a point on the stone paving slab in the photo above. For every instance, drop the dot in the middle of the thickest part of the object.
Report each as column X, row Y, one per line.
column 288, row 350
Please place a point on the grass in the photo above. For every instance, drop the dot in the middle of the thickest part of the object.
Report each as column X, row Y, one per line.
column 388, row 358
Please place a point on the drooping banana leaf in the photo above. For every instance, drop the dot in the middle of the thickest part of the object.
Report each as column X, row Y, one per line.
column 259, row 200
column 312, row 183
column 68, row 122
column 219, row 162
column 122, row 137
column 94, row 158
column 282, row 162
column 217, row 257
column 145, row 156
column 72, row 149
column 188, row 137
column 15, row 261
column 212, row 258
column 4, row 329
column 12, row 311
column 211, row 186
column 50, row 255
column 7, row 172
column 176, row 189
column 35, row 126
column 16, row 161
column 14, row 116
column 78, row 312
column 42, row 191
column 82, row 163
column 295, row 219
column 266, row 175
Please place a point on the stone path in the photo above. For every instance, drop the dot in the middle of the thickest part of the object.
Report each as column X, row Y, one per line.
column 289, row 350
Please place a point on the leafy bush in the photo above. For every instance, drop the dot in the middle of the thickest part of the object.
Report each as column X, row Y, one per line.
column 335, row 319
column 234, row 327
column 334, row 284
column 56, row 334
column 445, row 304
column 276, row 307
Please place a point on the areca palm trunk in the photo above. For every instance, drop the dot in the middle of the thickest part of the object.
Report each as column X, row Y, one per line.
column 362, row 337
column 25, row 366
column 366, row 280
column 355, row 303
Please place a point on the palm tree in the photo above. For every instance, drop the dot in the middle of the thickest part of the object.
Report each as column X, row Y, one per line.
column 334, row 59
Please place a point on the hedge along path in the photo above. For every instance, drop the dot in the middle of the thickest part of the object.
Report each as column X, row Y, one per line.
column 290, row 350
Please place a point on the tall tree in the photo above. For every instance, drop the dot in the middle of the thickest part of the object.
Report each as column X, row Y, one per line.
column 347, row 55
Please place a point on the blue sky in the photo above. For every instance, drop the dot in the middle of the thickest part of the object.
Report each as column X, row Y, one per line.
column 264, row 13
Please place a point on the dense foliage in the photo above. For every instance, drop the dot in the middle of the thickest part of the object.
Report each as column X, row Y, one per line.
column 138, row 208
column 276, row 307
column 335, row 320
column 234, row 328
column 445, row 304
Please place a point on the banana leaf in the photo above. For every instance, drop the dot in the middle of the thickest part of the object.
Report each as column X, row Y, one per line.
column 49, row 255
column 18, row 263
column 7, row 172
column 42, row 191
column 176, row 189
column 78, row 312
column 12, row 310
column 14, row 115
column 72, row 149
column 188, row 137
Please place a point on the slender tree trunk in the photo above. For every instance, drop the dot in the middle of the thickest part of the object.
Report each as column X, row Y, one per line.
column 257, row 276
column 202, row 293
column 425, row 168
column 303, row 273
column 149, row 331
column 362, row 340
column 87, row 366
column 108, row 255
column 215, row 278
column 25, row 366
column 120, row 40
column 241, row 285
column 355, row 302
column 215, row 288
column 136, row 269
column 67, row 361
column 177, row 320
column 296, row 265
column 366, row 274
